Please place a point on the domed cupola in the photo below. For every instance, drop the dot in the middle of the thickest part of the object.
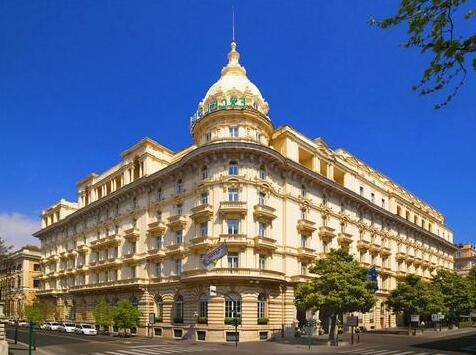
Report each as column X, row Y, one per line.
column 232, row 103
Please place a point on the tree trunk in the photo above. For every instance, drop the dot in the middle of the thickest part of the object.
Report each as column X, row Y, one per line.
column 333, row 328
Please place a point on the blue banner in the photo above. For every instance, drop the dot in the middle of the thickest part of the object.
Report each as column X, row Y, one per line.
column 372, row 277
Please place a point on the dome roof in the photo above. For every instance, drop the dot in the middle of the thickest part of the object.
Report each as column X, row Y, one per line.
column 233, row 89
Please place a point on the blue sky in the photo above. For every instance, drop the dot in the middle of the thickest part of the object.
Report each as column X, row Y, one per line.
column 81, row 81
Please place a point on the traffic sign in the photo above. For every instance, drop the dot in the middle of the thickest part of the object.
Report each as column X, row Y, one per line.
column 415, row 318
column 352, row 321
column 213, row 290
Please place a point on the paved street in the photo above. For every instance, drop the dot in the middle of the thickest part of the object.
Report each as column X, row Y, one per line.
column 430, row 343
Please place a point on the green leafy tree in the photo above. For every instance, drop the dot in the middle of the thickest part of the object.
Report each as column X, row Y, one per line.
column 340, row 286
column 456, row 290
column 103, row 314
column 431, row 27
column 34, row 313
column 125, row 315
column 5, row 248
column 414, row 296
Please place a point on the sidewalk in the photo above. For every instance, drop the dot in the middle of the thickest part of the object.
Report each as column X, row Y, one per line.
column 21, row 349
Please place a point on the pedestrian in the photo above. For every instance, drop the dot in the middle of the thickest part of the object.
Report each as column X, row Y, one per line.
column 422, row 325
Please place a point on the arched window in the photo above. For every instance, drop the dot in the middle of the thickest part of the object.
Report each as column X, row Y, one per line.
column 159, row 309
column 233, row 168
column 136, row 168
column 204, row 174
column 262, row 172
column 203, row 308
column 233, row 306
column 178, row 309
column 262, row 311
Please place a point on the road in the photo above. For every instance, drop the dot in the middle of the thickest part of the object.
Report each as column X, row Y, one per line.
column 430, row 343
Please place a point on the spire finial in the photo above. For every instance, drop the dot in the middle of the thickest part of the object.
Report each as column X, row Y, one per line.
column 233, row 23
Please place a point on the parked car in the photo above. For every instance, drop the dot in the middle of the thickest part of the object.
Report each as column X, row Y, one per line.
column 52, row 326
column 43, row 325
column 86, row 329
column 67, row 327
column 12, row 322
column 23, row 323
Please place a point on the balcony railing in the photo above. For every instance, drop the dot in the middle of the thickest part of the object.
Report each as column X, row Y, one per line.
column 305, row 226
column 202, row 243
column 132, row 234
column 233, row 208
column 111, row 240
column 265, row 243
column 156, row 229
column 305, row 253
column 175, row 249
column 264, row 212
column 234, row 240
column 177, row 222
column 344, row 239
column 326, row 233
column 202, row 213
column 363, row 244
column 197, row 273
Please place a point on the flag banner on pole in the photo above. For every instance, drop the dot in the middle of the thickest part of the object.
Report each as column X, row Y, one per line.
column 372, row 277
column 214, row 255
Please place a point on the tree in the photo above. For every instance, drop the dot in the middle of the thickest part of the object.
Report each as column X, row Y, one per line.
column 340, row 286
column 125, row 315
column 456, row 290
column 34, row 313
column 4, row 248
column 431, row 28
column 414, row 296
column 103, row 314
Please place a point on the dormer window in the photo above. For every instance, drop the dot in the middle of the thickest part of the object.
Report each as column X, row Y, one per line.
column 204, row 173
column 208, row 136
column 179, row 186
column 233, row 168
column 262, row 172
column 233, row 131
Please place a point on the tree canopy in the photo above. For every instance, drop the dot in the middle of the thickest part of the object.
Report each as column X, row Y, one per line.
column 414, row 296
column 457, row 291
column 432, row 28
column 125, row 315
column 34, row 313
column 103, row 313
column 340, row 286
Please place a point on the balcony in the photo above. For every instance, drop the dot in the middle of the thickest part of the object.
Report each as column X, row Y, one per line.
column 201, row 243
column 264, row 243
column 385, row 251
column 83, row 248
column 202, row 213
column 155, row 254
column 133, row 282
column 374, row 248
column 305, row 226
column 232, row 209
column 234, row 240
column 401, row 256
column 175, row 250
column 156, row 229
column 132, row 234
column 305, row 253
column 264, row 212
column 344, row 239
column 363, row 245
column 177, row 222
column 326, row 233
column 111, row 240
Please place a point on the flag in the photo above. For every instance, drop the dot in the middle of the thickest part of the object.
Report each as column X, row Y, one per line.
column 372, row 277
column 214, row 255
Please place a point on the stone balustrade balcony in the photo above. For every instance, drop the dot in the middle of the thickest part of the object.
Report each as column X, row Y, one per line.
column 265, row 243
column 344, row 239
column 156, row 229
column 202, row 243
column 233, row 209
column 202, row 213
column 105, row 242
column 132, row 234
column 305, row 226
column 177, row 222
column 264, row 212
column 326, row 233
column 234, row 240
column 306, row 254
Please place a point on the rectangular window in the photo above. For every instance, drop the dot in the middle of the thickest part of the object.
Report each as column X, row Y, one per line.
column 303, row 241
column 233, row 260
column 178, row 237
column 361, row 191
column 303, row 269
column 133, row 272
column 233, row 195
column 179, row 209
column 233, row 226
column 178, row 267
column 179, row 186
column 261, row 229
column 262, row 262
column 203, row 308
column 233, row 131
column 203, row 229
column 383, row 203
column 372, row 197
column 204, row 198
column 204, row 173
column 160, row 242
column 261, row 198
column 232, row 308
column 208, row 136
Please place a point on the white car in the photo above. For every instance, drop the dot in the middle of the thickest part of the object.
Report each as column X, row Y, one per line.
column 23, row 323
column 43, row 326
column 52, row 326
column 86, row 329
column 67, row 327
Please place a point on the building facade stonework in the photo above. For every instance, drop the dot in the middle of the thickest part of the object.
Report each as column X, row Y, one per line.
column 465, row 258
column 277, row 198
column 18, row 284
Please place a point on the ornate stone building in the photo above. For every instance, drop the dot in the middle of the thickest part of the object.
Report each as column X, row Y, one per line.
column 17, row 280
column 276, row 197
column 465, row 258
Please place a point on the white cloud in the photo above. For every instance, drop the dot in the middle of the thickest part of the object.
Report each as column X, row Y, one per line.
column 17, row 229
